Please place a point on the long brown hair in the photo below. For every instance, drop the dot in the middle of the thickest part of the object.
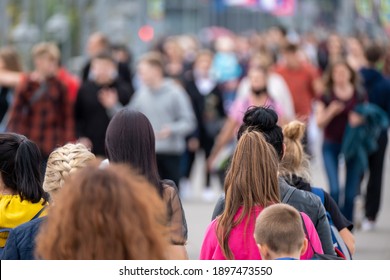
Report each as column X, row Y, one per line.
column 109, row 213
column 251, row 181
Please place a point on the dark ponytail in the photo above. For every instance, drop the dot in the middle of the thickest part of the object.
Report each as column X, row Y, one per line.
column 20, row 167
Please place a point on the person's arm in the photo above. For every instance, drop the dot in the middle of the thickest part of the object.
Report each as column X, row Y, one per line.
column 323, row 229
column 18, row 107
column 313, row 238
column 68, row 116
column 185, row 118
column 340, row 222
column 209, row 243
column 219, row 207
column 10, row 79
column 324, row 115
column 349, row 239
column 224, row 137
column 10, row 251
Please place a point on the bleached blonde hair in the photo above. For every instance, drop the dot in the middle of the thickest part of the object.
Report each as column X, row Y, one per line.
column 64, row 161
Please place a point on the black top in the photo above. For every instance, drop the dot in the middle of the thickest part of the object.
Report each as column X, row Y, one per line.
column 208, row 109
column 91, row 117
column 4, row 91
column 330, row 205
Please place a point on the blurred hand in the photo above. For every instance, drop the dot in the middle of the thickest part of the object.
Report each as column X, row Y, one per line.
column 355, row 119
column 164, row 133
column 336, row 107
column 86, row 142
column 108, row 98
column 193, row 144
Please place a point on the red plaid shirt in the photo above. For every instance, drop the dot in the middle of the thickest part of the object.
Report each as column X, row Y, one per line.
column 48, row 120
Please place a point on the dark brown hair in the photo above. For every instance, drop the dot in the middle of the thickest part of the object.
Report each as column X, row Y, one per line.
column 110, row 213
column 130, row 139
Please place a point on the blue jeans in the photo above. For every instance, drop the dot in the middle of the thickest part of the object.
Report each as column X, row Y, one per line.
column 331, row 152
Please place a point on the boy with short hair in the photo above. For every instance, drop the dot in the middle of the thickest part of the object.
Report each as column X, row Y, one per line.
column 279, row 233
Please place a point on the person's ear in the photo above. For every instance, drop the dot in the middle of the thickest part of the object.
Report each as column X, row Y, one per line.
column 264, row 252
column 304, row 246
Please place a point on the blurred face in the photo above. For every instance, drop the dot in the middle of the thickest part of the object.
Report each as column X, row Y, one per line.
column 103, row 71
column 148, row 74
column 258, row 79
column 94, row 46
column 341, row 74
column 46, row 65
column 203, row 64
column 354, row 47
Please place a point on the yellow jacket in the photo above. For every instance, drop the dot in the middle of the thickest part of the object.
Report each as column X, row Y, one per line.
column 14, row 212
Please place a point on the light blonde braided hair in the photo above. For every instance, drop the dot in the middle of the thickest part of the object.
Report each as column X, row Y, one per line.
column 62, row 162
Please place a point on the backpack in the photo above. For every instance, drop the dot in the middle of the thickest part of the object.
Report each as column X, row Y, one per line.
column 338, row 243
column 8, row 230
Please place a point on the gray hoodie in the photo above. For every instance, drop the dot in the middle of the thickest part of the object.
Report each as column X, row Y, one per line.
column 169, row 106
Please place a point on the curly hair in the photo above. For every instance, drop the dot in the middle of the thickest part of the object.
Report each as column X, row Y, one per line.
column 62, row 162
column 105, row 214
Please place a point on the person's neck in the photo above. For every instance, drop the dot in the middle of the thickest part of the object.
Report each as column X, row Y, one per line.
column 274, row 256
column 4, row 190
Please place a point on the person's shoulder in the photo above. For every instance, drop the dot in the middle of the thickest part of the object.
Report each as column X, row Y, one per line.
column 28, row 230
column 169, row 188
column 305, row 198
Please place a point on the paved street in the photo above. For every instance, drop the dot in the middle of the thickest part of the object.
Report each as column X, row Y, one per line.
column 369, row 245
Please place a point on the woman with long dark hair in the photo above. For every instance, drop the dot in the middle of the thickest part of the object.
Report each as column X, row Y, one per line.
column 21, row 194
column 130, row 139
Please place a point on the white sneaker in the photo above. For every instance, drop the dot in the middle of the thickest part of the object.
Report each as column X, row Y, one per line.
column 208, row 195
column 368, row 225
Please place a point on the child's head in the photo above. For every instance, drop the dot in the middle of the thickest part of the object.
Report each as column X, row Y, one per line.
column 279, row 232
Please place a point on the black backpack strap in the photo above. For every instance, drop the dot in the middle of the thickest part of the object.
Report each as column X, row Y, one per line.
column 289, row 193
column 39, row 213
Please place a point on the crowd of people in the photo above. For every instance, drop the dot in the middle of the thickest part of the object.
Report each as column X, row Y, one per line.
column 95, row 166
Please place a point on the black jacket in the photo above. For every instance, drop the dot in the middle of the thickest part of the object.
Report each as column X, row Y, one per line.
column 303, row 201
column 91, row 117
column 21, row 241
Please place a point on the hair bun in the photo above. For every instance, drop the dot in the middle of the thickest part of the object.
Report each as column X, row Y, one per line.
column 265, row 119
column 294, row 130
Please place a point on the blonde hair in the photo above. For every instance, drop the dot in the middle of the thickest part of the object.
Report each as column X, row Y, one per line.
column 46, row 48
column 64, row 161
column 295, row 161
column 280, row 227
column 252, row 180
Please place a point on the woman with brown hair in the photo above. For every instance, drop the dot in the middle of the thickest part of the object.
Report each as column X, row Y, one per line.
column 294, row 168
column 251, row 185
column 334, row 111
column 105, row 214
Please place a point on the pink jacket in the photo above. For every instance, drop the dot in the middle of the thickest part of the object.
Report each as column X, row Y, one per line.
column 242, row 243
